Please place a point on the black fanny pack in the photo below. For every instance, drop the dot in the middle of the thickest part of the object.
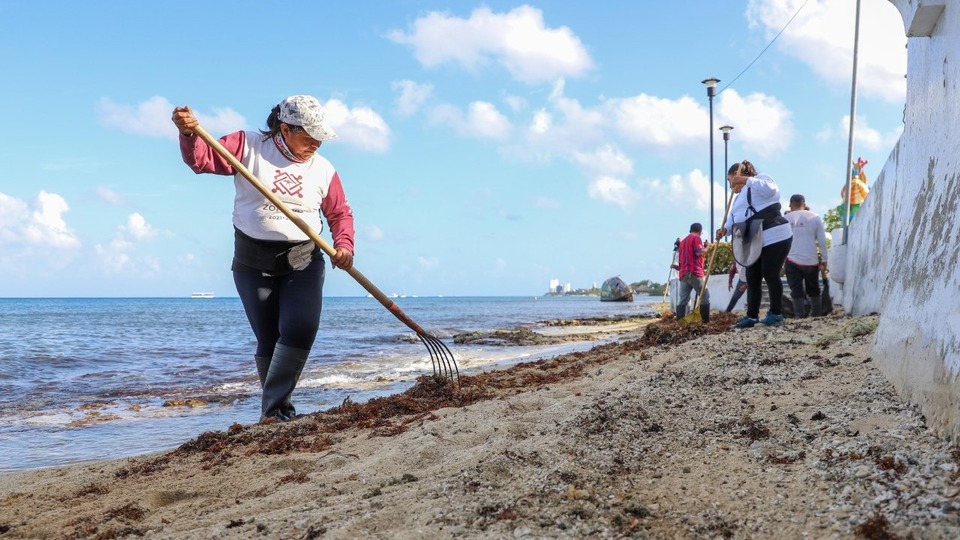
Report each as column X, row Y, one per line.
column 273, row 257
column 769, row 216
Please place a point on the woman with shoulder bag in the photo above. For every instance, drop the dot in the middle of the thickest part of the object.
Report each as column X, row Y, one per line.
column 757, row 209
column 278, row 271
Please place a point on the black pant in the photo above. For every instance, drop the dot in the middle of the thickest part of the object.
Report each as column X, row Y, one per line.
column 283, row 309
column 767, row 268
column 804, row 281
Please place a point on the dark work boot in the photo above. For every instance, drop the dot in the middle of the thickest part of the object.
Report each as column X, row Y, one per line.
column 816, row 306
column 285, row 368
column 263, row 366
column 681, row 311
column 800, row 307
column 705, row 312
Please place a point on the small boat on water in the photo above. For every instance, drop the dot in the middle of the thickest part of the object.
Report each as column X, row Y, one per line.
column 616, row 290
column 202, row 295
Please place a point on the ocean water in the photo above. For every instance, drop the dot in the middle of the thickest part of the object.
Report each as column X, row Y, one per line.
column 86, row 379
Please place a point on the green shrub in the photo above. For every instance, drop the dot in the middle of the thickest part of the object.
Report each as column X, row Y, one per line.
column 724, row 257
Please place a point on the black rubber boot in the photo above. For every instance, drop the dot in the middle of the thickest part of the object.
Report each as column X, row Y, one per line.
column 681, row 311
column 263, row 366
column 705, row 312
column 816, row 306
column 801, row 307
column 285, row 368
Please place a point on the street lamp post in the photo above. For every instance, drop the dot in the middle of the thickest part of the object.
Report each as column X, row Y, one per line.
column 726, row 167
column 711, row 91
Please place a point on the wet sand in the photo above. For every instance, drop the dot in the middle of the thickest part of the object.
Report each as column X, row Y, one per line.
column 672, row 431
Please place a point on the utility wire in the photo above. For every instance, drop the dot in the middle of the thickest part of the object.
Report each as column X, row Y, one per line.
column 765, row 48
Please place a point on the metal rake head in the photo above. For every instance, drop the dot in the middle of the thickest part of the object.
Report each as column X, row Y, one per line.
column 440, row 356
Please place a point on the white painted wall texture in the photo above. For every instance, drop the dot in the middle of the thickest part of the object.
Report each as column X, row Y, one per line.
column 903, row 249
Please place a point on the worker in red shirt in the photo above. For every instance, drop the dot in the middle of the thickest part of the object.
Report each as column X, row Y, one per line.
column 690, row 270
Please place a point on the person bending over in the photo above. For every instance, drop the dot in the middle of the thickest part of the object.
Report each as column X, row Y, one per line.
column 277, row 269
column 758, row 198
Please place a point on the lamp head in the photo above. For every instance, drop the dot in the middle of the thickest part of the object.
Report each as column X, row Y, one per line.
column 711, row 86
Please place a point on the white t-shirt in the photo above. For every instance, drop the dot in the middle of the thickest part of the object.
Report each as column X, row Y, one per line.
column 300, row 186
column 808, row 235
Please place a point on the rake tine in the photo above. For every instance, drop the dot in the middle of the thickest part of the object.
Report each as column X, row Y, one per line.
column 434, row 361
column 444, row 357
column 441, row 357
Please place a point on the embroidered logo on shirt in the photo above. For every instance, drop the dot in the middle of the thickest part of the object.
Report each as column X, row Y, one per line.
column 287, row 184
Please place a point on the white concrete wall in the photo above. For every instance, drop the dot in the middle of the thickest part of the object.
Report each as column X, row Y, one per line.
column 902, row 251
column 719, row 295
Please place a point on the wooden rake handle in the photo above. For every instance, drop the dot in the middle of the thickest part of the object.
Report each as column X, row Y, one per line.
column 302, row 225
column 713, row 254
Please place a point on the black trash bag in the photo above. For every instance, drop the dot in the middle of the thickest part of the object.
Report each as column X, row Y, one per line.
column 826, row 303
column 788, row 311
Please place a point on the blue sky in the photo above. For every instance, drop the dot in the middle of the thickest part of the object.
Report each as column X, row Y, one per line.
column 486, row 148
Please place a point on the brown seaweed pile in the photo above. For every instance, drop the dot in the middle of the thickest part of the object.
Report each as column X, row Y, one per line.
column 394, row 414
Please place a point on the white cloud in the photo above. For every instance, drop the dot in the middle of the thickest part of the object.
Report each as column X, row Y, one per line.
column 412, row 96
column 613, row 191
column 604, row 161
column 113, row 257
column 682, row 191
column 657, row 121
column 487, row 121
column 360, row 127
column 482, row 120
column 541, row 123
column 373, row 233
column 866, row 137
column 762, row 124
column 13, row 212
column 34, row 237
column 44, row 226
column 516, row 103
column 428, row 262
column 118, row 255
column 110, row 197
column 136, row 228
column 518, row 40
column 152, row 118
column 561, row 127
column 822, row 37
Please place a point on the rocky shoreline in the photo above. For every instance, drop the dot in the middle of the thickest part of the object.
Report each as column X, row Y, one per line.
column 672, row 431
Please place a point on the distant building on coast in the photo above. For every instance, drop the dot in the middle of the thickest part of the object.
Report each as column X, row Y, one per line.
column 554, row 288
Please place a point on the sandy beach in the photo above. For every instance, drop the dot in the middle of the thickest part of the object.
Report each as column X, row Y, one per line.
column 671, row 431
